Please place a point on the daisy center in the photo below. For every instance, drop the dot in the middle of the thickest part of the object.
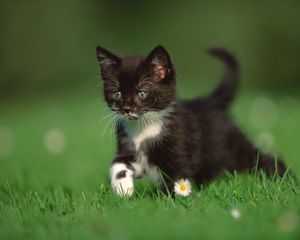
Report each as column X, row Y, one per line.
column 183, row 187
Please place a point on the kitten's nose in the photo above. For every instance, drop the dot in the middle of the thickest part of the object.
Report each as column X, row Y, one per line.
column 127, row 109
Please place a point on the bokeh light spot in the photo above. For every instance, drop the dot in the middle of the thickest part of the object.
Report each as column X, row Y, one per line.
column 235, row 213
column 265, row 141
column 288, row 222
column 54, row 141
column 263, row 112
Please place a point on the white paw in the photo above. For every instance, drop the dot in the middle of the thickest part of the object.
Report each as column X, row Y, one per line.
column 123, row 187
column 122, row 180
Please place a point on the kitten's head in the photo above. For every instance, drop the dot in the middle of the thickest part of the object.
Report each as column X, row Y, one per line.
column 136, row 85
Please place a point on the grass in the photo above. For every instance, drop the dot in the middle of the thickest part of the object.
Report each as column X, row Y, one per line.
column 65, row 194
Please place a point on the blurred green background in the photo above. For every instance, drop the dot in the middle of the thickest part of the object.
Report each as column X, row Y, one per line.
column 57, row 140
column 51, row 102
column 48, row 45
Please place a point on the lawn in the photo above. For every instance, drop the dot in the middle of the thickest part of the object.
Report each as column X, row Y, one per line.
column 55, row 153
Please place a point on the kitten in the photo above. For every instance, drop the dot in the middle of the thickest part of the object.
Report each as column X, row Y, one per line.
column 168, row 138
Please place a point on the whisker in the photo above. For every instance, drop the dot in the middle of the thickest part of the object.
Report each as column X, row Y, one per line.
column 105, row 117
column 106, row 127
column 148, row 120
column 113, row 127
column 143, row 121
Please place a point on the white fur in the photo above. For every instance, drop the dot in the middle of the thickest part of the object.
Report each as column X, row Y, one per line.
column 104, row 60
column 149, row 127
column 141, row 166
column 123, row 186
column 139, row 131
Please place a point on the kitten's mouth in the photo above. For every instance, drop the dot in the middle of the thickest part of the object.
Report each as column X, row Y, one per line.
column 131, row 116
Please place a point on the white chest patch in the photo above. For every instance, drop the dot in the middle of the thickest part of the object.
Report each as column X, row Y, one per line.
column 140, row 130
column 150, row 128
column 148, row 132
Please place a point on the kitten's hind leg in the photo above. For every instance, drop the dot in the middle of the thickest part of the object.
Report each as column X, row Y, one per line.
column 122, row 179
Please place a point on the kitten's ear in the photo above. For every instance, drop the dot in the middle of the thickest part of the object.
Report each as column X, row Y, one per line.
column 106, row 58
column 160, row 62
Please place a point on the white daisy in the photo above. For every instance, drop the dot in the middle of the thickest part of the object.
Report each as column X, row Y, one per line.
column 183, row 187
column 235, row 213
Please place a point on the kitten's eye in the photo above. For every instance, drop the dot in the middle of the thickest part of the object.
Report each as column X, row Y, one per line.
column 117, row 95
column 142, row 94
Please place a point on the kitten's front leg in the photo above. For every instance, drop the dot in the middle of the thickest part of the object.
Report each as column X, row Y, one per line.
column 121, row 173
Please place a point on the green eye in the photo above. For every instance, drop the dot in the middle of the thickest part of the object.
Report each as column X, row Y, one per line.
column 142, row 94
column 117, row 95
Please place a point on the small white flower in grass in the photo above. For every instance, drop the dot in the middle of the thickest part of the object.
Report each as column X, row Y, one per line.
column 183, row 187
column 235, row 213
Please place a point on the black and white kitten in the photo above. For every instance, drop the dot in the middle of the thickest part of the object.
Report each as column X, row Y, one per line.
column 168, row 138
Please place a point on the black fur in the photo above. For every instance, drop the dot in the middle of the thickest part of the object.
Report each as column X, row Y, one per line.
column 199, row 139
column 121, row 174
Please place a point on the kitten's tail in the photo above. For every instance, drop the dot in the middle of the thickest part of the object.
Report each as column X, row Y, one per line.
column 224, row 93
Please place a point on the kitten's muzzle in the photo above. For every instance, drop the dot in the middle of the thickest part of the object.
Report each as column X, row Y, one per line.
column 131, row 115
column 128, row 113
column 126, row 110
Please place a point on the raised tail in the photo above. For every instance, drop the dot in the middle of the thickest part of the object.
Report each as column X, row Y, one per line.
column 221, row 97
